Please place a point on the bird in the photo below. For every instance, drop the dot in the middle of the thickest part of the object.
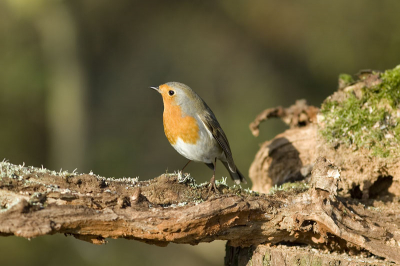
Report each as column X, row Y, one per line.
column 193, row 130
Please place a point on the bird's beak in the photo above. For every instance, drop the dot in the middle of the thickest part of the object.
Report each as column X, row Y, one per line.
column 155, row 88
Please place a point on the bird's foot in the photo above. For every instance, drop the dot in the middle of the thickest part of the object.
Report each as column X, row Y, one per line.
column 212, row 185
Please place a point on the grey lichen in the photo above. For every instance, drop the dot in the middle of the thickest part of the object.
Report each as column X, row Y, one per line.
column 19, row 171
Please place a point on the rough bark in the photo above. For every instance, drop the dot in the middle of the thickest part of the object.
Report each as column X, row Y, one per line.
column 294, row 255
column 37, row 202
column 288, row 157
column 297, row 115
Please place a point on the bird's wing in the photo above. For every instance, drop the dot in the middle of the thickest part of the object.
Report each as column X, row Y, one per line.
column 210, row 121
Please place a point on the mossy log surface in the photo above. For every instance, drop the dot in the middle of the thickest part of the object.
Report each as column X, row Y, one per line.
column 358, row 128
column 36, row 202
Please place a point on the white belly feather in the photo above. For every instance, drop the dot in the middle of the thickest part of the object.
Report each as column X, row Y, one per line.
column 205, row 150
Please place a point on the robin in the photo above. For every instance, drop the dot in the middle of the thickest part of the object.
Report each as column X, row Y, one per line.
column 193, row 130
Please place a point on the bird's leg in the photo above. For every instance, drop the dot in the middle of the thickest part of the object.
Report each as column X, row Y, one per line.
column 185, row 165
column 212, row 181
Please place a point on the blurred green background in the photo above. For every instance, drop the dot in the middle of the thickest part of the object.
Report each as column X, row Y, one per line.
column 74, row 78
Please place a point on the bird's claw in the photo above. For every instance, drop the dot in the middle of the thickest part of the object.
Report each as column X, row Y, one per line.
column 212, row 185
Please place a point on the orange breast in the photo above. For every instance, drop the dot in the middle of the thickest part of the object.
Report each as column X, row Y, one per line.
column 176, row 126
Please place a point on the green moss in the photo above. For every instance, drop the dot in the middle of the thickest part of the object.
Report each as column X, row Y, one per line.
column 345, row 80
column 369, row 118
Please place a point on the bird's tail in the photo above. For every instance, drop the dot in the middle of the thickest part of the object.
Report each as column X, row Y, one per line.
column 236, row 176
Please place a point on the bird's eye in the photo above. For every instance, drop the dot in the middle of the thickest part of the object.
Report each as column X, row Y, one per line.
column 171, row 92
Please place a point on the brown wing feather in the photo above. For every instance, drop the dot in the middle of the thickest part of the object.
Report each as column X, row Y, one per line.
column 212, row 124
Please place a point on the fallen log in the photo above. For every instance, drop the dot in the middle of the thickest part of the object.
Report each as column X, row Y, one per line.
column 36, row 202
